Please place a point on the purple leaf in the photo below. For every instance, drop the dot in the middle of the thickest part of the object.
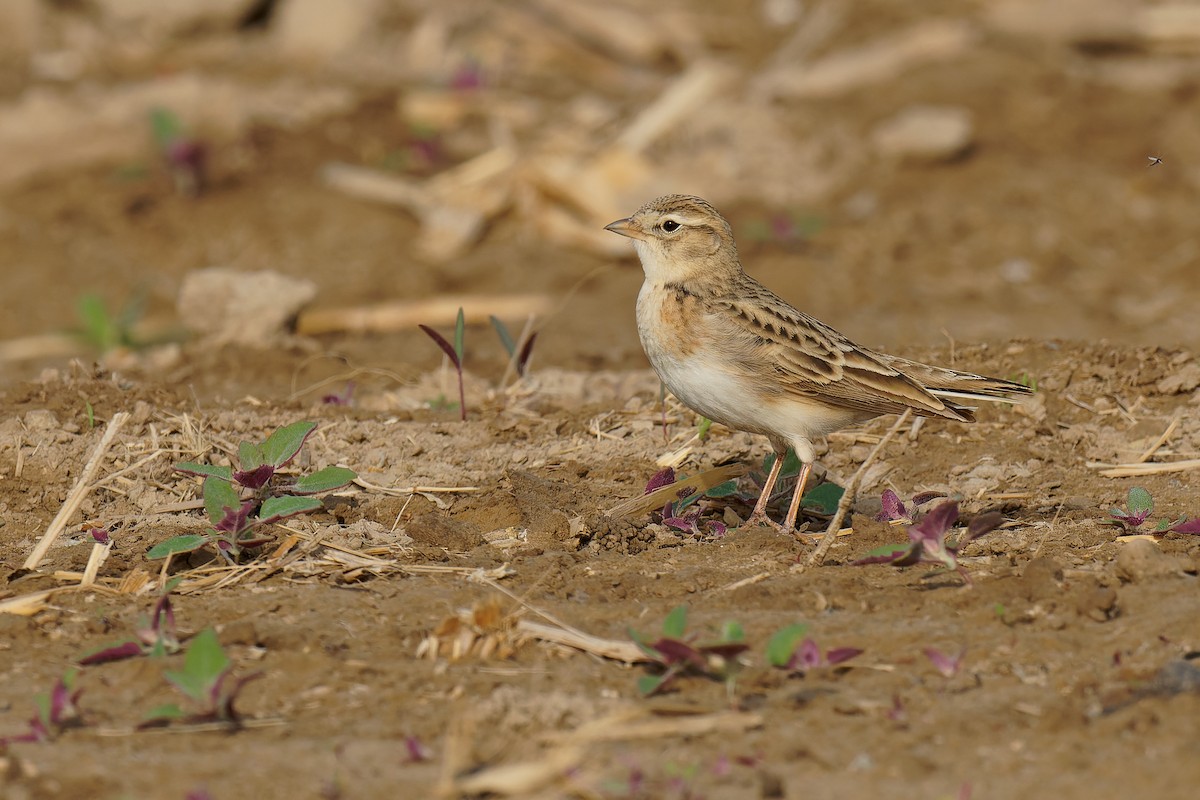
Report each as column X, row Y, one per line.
column 255, row 478
column 674, row 651
column 116, row 652
column 417, row 752
column 664, row 477
column 235, row 521
column 341, row 399
column 1191, row 526
column 100, row 536
column 945, row 664
column 807, row 656
column 893, row 508
column 441, row 342
column 980, row 525
column 891, row 554
column 686, row 524
column 717, row 528
column 526, row 352
column 839, row 655
column 921, row 498
column 936, row 523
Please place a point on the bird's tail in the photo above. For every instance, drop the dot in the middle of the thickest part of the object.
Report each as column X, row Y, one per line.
column 950, row 384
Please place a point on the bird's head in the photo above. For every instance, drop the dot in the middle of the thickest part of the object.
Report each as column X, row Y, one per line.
column 679, row 237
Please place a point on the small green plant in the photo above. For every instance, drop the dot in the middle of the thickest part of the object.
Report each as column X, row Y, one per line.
column 155, row 637
column 1139, row 505
column 101, row 330
column 207, row 680
column 241, row 503
column 519, row 359
column 675, row 653
column 927, row 541
column 186, row 156
column 793, row 650
column 57, row 710
column 454, row 352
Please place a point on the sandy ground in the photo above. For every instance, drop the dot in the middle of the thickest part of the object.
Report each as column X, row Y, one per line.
column 396, row 630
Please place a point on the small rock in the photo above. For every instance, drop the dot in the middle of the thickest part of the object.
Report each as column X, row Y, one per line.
column 1184, row 379
column 225, row 305
column 1141, row 559
column 925, row 133
column 41, row 419
column 1041, row 578
column 318, row 29
column 1099, row 603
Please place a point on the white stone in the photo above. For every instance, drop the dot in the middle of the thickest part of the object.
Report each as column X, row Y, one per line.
column 925, row 133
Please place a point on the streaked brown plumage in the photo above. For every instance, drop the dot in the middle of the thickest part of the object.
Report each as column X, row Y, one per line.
column 732, row 350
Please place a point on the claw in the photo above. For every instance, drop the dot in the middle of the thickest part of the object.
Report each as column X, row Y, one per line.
column 762, row 519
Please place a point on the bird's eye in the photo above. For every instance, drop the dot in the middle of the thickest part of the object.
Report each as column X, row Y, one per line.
column 670, row 226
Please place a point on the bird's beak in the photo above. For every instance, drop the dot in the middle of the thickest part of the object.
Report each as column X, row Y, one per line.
column 625, row 227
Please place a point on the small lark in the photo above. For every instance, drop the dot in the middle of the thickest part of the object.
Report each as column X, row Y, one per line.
column 732, row 350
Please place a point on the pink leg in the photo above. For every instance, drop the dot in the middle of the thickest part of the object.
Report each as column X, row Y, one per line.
column 759, row 515
column 789, row 524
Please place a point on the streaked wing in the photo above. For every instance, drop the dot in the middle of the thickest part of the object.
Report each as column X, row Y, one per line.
column 775, row 343
column 952, row 383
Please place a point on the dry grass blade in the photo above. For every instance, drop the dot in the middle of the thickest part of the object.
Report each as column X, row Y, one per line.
column 391, row 317
column 390, row 490
column 660, row 497
column 614, row 649
column 1161, row 440
column 1143, row 468
column 519, row 780
column 78, row 492
column 619, row 727
column 834, row 529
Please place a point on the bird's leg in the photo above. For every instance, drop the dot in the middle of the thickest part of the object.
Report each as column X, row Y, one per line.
column 789, row 524
column 759, row 515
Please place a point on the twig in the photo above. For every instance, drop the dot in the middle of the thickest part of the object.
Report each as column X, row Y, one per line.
column 390, row 490
column 80, row 490
column 660, row 497
column 1161, row 440
column 847, row 500
column 615, row 649
column 1143, row 468
column 96, row 560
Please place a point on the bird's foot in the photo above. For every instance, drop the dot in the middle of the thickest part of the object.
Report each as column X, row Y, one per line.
column 759, row 518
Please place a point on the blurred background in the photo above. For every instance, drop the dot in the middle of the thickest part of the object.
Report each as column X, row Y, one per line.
column 915, row 174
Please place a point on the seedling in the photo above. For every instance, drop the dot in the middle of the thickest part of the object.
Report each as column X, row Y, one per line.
column 342, row 398
column 894, row 509
column 520, row 360
column 676, row 654
column 1139, row 504
column 103, row 331
column 790, row 649
column 927, row 541
column 454, row 352
column 946, row 664
column 57, row 710
column 241, row 503
column 155, row 637
column 822, row 498
column 207, row 680
column 186, row 156
column 676, row 514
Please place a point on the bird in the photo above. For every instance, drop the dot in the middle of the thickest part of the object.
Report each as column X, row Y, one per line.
column 735, row 352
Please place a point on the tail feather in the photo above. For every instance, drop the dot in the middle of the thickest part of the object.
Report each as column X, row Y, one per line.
column 950, row 384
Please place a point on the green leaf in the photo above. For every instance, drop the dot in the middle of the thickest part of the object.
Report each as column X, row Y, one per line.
column 250, row 456
column 324, row 480
column 203, row 663
column 675, row 624
column 723, row 489
column 649, row 684
column 219, row 495
column 888, row 550
column 1140, row 500
column 731, row 631
column 277, row 508
column 164, row 713
column 282, row 445
column 791, row 463
column 824, row 498
column 505, row 337
column 702, row 428
column 99, row 329
column 653, row 654
column 459, row 331
column 193, row 468
column 177, row 544
column 165, row 126
column 783, row 644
